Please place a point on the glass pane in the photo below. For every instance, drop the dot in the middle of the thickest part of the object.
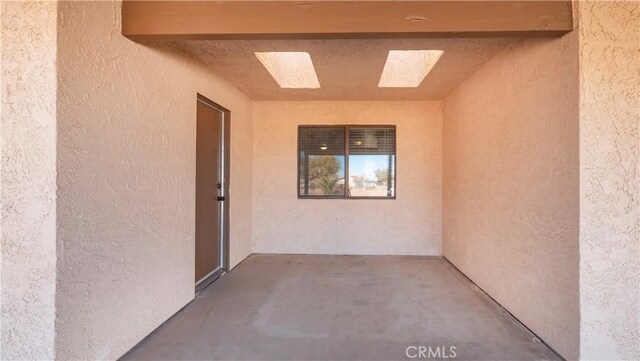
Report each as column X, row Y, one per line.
column 372, row 162
column 322, row 159
column 325, row 177
column 371, row 175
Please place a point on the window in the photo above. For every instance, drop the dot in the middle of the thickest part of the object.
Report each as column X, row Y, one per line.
column 346, row 161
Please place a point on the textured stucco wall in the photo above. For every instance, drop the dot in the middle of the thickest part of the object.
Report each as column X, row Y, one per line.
column 408, row 225
column 510, row 199
column 609, row 180
column 126, row 177
column 28, row 171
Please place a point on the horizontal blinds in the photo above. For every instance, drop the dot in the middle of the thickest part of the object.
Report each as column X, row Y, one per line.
column 321, row 140
column 372, row 141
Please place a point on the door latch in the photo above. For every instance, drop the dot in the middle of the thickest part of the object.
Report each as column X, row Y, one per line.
column 220, row 199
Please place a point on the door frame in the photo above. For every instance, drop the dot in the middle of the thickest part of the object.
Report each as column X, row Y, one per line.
column 225, row 162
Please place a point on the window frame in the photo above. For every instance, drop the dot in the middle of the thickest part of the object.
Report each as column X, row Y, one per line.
column 347, row 127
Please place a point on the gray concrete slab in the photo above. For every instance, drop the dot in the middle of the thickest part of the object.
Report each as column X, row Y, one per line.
column 302, row 307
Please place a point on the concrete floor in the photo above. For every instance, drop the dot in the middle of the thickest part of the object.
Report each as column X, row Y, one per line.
column 290, row 307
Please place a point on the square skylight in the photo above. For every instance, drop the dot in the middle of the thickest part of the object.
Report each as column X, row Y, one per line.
column 408, row 68
column 292, row 70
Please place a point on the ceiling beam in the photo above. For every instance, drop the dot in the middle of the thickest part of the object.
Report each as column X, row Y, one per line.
column 201, row 20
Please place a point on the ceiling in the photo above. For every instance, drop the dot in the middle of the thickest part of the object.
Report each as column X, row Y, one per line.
column 348, row 69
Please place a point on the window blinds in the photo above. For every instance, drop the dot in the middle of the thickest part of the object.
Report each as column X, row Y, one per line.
column 372, row 141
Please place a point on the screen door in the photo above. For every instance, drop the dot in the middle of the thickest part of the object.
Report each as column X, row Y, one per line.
column 211, row 197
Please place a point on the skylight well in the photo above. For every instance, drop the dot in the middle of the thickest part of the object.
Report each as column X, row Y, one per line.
column 293, row 70
column 408, row 68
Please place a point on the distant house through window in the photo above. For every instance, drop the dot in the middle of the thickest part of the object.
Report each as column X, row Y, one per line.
column 347, row 161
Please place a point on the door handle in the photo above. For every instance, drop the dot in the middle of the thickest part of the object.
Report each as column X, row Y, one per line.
column 220, row 199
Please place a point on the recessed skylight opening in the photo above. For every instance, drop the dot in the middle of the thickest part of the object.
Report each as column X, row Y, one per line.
column 290, row 69
column 407, row 68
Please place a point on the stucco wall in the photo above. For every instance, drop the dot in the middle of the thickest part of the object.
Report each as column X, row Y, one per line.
column 408, row 225
column 27, row 179
column 510, row 205
column 609, row 180
column 126, row 178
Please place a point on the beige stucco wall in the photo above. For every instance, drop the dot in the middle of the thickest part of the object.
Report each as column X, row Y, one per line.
column 609, row 180
column 510, row 205
column 28, row 179
column 408, row 225
column 126, row 177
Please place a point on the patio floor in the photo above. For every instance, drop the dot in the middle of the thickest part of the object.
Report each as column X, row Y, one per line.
column 301, row 307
